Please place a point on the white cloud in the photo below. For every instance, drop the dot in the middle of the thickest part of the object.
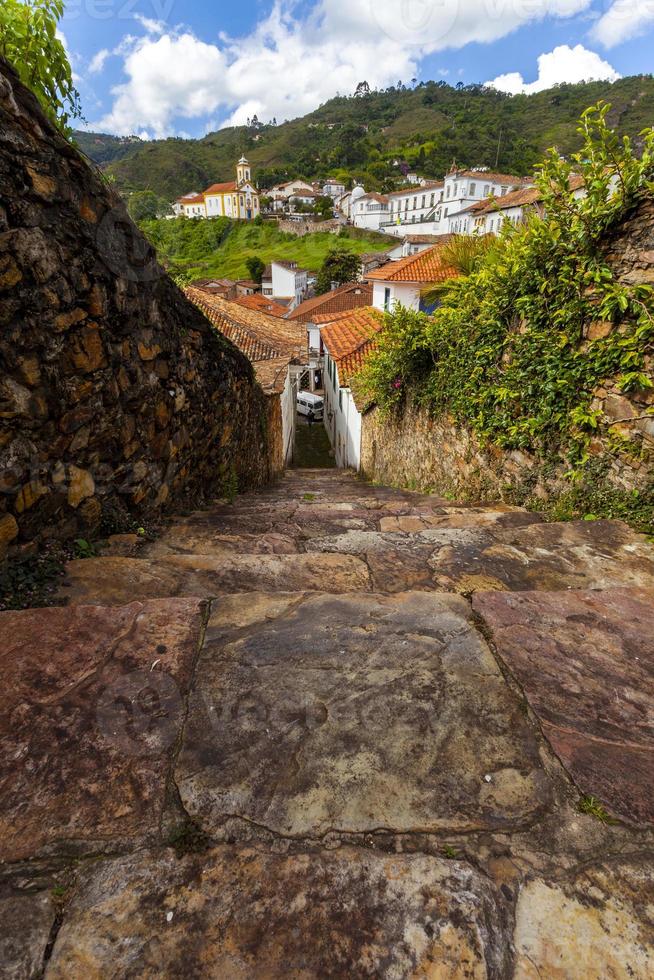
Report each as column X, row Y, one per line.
column 289, row 64
column 98, row 60
column 168, row 76
column 623, row 20
column 563, row 64
column 434, row 25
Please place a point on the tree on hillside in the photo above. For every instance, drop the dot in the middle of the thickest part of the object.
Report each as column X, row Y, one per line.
column 340, row 266
column 28, row 40
column 145, row 205
column 256, row 267
column 324, row 207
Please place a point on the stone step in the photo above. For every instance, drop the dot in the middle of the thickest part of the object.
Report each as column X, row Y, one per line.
column 575, row 555
column 585, row 661
column 115, row 581
column 286, row 530
column 551, row 557
column 92, row 703
column 354, row 714
column 246, row 912
column 340, row 743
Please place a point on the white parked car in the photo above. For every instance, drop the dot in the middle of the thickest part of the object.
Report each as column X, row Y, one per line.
column 308, row 402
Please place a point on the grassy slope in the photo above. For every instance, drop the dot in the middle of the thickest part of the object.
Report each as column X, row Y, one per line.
column 429, row 126
column 220, row 248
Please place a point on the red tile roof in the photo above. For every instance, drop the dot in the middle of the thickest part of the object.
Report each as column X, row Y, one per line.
column 528, row 195
column 524, row 196
column 348, row 297
column 263, row 304
column 225, row 188
column 424, row 267
column 491, row 176
column 349, row 338
column 261, row 337
column 372, row 196
column 272, row 374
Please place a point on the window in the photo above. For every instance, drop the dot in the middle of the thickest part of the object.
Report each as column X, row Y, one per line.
column 423, row 200
column 433, row 200
column 487, row 190
column 340, row 398
column 387, row 298
column 448, row 189
column 445, row 213
column 473, row 188
column 415, row 203
column 456, row 187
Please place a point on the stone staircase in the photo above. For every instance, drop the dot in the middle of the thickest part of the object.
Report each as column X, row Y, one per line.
column 335, row 730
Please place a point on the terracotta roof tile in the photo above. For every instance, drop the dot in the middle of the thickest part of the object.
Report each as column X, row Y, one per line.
column 424, row 267
column 263, row 304
column 350, row 338
column 348, row 297
column 272, row 374
column 492, row 176
column 259, row 336
column 226, row 188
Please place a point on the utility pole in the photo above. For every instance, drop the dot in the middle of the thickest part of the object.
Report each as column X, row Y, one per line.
column 499, row 143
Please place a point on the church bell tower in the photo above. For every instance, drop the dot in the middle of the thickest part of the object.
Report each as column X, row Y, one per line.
column 242, row 172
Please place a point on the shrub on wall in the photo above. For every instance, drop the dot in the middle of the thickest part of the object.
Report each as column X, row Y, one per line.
column 505, row 353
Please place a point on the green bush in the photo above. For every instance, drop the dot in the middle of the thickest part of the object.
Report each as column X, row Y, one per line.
column 504, row 353
column 28, row 39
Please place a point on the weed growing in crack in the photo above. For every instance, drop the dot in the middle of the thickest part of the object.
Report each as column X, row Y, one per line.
column 188, row 838
column 592, row 807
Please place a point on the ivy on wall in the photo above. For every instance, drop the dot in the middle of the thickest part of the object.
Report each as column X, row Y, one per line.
column 504, row 353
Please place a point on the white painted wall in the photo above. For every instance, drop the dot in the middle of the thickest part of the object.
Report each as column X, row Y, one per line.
column 369, row 214
column 289, row 416
column 407, row 294
column 342, row 419
column 288, row 282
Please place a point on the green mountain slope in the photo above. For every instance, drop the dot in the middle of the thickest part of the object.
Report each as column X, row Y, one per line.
column 427, row 127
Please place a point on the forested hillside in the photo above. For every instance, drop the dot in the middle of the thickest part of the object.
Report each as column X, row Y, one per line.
column 428, row 127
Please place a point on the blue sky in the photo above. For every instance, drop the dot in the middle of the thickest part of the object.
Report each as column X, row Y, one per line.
column 185, row 67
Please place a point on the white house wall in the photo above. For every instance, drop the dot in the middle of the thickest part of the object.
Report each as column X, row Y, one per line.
column 289, row 416
column 407, row 294
column 344, row 426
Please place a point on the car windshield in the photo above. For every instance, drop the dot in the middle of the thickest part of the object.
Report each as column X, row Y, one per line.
column 317, row 404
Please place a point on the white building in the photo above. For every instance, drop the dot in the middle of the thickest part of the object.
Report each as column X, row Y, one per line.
column 346, row 341
column 347, row 201
column 412, row 244
column 333, row 188
column 369, row 211
column 404, row 280
column 285, row 281
column 282, row 193
column 464, row 188
column 488, row 217
column 413, row 206
column 237, row 199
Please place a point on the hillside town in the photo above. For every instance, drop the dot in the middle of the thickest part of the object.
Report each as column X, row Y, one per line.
column 326, row 492
column 466, row 202
column 334, row 332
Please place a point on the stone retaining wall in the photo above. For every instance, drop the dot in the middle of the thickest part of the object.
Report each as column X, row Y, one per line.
column 117, row 397
column 419, row 451
column 302, row 228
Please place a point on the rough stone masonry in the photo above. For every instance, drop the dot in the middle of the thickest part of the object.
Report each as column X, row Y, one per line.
column 116, row 395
